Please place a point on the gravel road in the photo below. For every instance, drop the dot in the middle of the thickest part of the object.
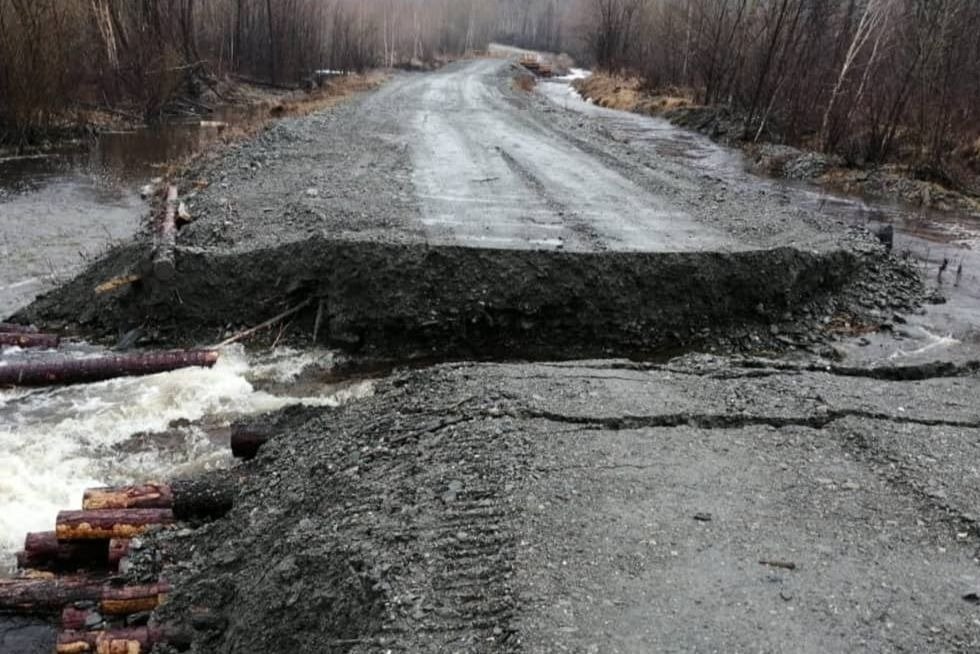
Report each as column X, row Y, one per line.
column 461, row 157
column 706, row 505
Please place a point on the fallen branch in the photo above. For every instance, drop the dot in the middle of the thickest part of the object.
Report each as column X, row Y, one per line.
column 268, row 323
column 116, row 283
column 81, row 371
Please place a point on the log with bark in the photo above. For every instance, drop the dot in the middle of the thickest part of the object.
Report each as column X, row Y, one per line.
column 81, row 371
column 81, row 619
column 165, row 239
column 10, row 328
column 208, row 496
column 46, row 596
column 51, row 596
column 135, row 640
column 127, row 600
column 107, row 525
column 39, row 341
column 43, row 551
column 148, row 496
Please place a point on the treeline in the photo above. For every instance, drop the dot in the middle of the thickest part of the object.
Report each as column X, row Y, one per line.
column 57, row 56
column 872, row 80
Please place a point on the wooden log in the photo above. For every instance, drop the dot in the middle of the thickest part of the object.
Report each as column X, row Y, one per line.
column 78, row 619
column 46, row 596
column 165, row 239
column 50, row 596
column 43, row 551
column 39, row 341
column 209, row 496
column 148, row 496
column 135, row 640
column 127, row 600
column 248, row 439
column 81, row 371
column 10, row 328
column 107, row 525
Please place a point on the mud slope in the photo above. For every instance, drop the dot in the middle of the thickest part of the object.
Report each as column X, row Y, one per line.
column 603, row 507
column 404, row 299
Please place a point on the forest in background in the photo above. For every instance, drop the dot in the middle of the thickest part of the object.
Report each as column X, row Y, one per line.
column 873, row 81
column 59, row 56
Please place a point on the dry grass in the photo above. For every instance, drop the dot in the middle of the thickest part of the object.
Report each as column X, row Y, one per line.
column 628, row 94
column 302, row 103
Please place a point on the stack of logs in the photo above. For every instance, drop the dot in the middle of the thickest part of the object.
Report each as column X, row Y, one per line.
column 71, row 572
column 64, row 370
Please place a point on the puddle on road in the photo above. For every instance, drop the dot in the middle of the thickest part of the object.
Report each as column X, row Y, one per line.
column 54, row 443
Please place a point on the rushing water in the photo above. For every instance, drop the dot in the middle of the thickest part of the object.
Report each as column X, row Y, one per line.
column 56, row 212
column 55, row 443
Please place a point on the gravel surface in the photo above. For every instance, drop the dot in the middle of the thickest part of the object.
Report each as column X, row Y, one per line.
column 606, row 506
column 461, row 157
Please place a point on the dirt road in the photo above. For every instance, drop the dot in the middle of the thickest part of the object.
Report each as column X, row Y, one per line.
column 461, row 157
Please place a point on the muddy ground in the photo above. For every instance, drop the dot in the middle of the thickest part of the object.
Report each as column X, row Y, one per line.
column 529, row 504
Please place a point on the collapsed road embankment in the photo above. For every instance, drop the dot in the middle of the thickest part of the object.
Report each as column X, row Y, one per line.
column 403, row 299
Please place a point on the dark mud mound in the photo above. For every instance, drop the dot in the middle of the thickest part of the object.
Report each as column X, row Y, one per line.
column 416, row 300
column 381, row 526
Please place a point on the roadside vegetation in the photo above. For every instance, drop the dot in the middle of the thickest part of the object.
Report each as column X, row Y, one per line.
column 66, row 63
column 868, row 82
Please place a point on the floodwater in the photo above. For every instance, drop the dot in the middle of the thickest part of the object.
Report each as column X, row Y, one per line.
column 55, row 443
column 56, row 212
column 62, row 208
column 929, row 237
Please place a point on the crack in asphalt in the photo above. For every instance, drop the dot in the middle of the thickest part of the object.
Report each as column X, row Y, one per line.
column 758, row 369
column 722, row 421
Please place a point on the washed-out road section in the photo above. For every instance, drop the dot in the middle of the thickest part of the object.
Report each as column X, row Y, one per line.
column 452, row 214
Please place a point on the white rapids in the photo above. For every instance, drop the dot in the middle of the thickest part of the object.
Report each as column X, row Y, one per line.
column 55, row 443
